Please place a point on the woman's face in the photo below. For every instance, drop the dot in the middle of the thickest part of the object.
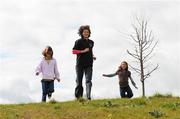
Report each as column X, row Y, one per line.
column 123, row 65
column 85, row 33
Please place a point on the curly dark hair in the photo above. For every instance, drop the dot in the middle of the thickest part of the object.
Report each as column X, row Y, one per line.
column 82, row 28
column 48, row 50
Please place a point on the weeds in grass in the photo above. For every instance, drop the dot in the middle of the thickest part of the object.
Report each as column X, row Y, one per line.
column 109, row 104
column 172, row 106
column 139, row 102
column 57, row 107
column 158, row 95
column 155, row 113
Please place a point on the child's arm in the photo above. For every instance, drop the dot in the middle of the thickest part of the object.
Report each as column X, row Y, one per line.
column 109, row 75
column 56, row 72
column 39, row 69
column 133, row 83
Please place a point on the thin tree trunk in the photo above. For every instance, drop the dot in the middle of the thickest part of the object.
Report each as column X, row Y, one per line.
column 142, row 79
column 143, row 89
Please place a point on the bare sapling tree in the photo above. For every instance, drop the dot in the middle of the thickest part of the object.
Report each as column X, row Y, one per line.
column 144, row 45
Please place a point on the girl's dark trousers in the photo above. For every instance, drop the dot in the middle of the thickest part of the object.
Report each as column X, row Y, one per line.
column 126, row 92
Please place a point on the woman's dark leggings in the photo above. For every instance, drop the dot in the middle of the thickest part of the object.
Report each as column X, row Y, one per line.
column 80, row 71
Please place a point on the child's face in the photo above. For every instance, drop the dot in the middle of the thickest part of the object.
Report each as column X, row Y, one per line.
column 123, row 65
column 48, row 55
column 85, row 33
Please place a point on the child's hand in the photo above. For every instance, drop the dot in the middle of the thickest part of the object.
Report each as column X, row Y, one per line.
column 37, row 73
column 58, row 79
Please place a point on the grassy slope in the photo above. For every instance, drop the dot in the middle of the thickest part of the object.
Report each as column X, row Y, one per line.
column 138, row 108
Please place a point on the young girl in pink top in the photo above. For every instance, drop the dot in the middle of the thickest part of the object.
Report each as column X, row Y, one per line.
column 49, row 70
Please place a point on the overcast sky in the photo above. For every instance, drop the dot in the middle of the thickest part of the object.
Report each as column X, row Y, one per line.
column 27, row 26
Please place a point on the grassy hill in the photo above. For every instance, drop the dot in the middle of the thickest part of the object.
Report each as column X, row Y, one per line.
column 163, row 107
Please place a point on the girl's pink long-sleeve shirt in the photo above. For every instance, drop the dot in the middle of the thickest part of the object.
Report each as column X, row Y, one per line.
column 49, row 71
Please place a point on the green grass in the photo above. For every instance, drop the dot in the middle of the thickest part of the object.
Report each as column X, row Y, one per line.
column 138, row 108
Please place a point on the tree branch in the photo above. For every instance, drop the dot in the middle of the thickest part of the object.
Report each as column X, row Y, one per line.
column 135, row 69
column 133, row 38
column 149, row 73
column 133, row 55
column 150, row 51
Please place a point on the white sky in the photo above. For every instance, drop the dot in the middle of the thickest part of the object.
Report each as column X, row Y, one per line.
column 26, row 27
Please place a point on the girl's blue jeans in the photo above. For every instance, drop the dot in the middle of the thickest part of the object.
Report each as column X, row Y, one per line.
column 47, row 89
